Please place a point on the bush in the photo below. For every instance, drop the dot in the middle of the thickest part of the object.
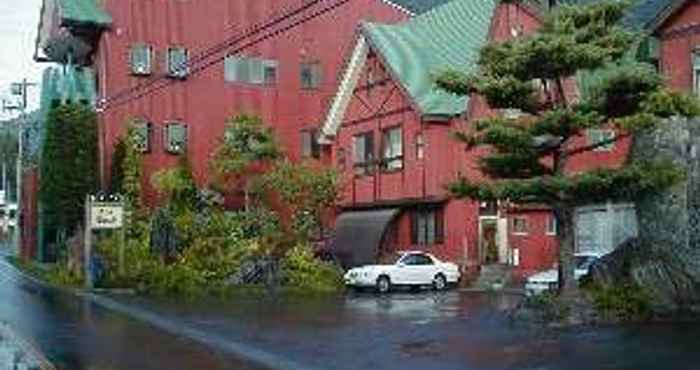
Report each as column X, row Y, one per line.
column 626, row 301
column 551, row 307
column 301, row 270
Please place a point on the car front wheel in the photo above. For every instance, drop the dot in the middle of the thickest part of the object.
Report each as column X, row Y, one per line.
column 439, row 282
column 383, row 284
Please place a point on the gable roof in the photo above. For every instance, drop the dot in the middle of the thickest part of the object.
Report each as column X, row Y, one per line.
column 448, row 37
column 418, row 6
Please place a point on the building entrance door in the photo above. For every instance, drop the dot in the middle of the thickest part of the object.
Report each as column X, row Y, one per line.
column 493, row 241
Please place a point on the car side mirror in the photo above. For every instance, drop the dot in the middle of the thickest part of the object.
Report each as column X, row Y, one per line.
column 401, row 264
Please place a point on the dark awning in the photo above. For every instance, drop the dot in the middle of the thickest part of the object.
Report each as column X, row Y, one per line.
column 358, row 235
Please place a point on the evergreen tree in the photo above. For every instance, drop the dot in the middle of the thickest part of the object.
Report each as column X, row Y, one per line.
column 530, row 151
column 68, row 167
column 248, row 146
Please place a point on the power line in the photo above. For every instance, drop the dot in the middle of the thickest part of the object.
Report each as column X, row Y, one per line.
column 221, row 46
column 166, row 82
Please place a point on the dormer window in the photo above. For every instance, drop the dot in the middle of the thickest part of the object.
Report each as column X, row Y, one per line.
column 140, row 57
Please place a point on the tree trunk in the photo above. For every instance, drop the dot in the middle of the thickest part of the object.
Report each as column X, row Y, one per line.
column 568, row 285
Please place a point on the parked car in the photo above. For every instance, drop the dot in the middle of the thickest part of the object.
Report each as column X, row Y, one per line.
column 549, row 280
column 410, row 268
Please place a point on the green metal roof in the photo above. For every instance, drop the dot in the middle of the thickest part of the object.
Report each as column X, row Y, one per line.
column 448, row 37
column 83, row 12
column 418, row 6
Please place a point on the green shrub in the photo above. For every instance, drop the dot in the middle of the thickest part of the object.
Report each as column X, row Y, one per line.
column 301, row 270
column 626, row 301
column 548, row 306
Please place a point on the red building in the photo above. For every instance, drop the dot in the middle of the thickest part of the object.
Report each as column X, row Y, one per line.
column 390, row 130
column 181, row 69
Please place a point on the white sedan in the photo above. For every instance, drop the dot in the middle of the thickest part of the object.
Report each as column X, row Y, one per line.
column 549, row 280
column 405, row 269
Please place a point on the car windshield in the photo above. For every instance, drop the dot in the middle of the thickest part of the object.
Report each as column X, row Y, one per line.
column 584, row 262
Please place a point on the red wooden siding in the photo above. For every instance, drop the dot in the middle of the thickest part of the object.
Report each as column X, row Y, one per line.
column 205, row 101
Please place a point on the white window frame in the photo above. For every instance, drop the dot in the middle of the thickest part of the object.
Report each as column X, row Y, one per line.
column 249, row 70
column 183, row 69
column 363, row 166
column 144, row 129
column 524, row 219
column 392, row 152
column 552, row 226
column 148, row 67
column 166, row 133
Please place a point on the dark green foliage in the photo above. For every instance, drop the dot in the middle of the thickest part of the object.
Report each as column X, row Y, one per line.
column 68, row 165
column 247, row 141
column 583, row 188
column 118, row 158
column 303, row 271
column 530, row 151
column 625, row 301
column 307, row 191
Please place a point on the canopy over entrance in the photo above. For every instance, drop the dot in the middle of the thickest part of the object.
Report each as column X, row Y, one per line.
column 359, row 235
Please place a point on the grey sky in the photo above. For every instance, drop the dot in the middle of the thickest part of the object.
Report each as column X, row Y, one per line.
column 18, row 26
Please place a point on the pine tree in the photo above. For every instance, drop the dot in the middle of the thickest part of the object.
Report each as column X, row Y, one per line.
column 68, row 167
column 530, row 152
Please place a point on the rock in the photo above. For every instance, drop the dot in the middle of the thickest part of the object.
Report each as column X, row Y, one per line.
column 665, row 259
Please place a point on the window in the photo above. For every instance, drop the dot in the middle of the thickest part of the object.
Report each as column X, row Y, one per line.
column 596, row 136
column 519, row 225
column 142, row 135
column 175, row 138
column 176, row 62
column 551, row 225
column 309, row 144
column 392, row 153
column 363, row 148
column 256, row 71
column 416, row 259
column 140, row 57
column 310, row 75
column 270, row 68
column 427, row 226
column 420, row 146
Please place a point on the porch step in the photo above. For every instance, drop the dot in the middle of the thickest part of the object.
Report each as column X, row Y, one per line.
column 493, row 277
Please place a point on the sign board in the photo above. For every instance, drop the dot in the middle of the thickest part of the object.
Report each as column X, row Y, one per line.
column 105, row 215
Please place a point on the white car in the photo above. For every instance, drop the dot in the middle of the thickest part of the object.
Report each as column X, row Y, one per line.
column 549, row 280
column 405, row 269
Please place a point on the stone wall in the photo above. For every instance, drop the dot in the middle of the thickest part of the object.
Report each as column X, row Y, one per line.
column 666, row 257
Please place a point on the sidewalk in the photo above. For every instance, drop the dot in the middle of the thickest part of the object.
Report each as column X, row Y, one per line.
column 17, row 353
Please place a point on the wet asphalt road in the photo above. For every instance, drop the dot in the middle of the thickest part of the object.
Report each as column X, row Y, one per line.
column 76, row 334
column 402, row 331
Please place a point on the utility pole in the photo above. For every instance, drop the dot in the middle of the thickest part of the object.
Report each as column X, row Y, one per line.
column 19, row 89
